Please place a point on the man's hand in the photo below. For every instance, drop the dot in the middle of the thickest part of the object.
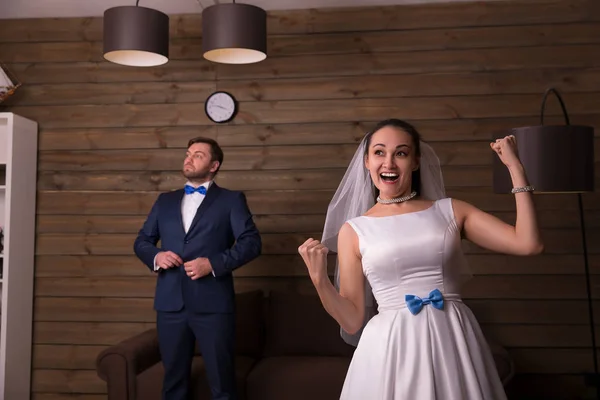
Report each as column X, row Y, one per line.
column 198, row 268
column 168, row 259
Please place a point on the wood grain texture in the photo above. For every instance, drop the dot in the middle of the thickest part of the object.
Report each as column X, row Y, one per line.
column 84, row 333
column 305, row 111
column 432, row 84
column 490, row 313
column 86, row 381
column 339, row 43
column 246, row 158
column 557, row 241
column 266, row 223
column 273, row 223
column 449, row 130
column 249, row 158
column 67, row 396
column 57, row 202
column 290, row 265
column 304, row 179
column 67, row 381
column 516, row 337
column 66, row 356
column 102, row 72
column 334, row 65
column 495, row 59
column 112, row 138
column 573, row 360
column 352, row 20
column 518, row 286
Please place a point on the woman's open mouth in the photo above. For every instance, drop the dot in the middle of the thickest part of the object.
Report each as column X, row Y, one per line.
column 389, row 177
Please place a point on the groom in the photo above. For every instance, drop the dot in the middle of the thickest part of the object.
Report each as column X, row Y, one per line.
column 205, row 232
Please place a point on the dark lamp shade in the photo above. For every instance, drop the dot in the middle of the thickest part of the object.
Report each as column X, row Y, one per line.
column 136, row 36
column 234, row 33
column 556, row 158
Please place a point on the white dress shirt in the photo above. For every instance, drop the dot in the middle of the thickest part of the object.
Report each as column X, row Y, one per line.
column 189, row 206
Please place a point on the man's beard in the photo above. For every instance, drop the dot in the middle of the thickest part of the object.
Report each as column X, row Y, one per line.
column 203, row 175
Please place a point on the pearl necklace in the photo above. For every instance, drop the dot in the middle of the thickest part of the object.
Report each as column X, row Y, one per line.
column 396, row 199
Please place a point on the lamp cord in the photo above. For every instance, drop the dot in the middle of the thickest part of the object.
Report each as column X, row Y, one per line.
column 587, row 281
column 562, row 105
column 584, row 242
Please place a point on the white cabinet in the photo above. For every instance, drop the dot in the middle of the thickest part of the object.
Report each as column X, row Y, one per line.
column 18, row 178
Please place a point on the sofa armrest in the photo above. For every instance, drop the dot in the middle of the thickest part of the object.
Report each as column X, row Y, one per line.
column 503, row 360
column 120, row 364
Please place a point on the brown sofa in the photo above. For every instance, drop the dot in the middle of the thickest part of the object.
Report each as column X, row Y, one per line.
column 287, row 347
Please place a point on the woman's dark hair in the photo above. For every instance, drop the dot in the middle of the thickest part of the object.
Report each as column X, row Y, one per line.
column 216, row 153
column 416, row 138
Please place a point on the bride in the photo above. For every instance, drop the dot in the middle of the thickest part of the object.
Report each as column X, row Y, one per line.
column 391, row 223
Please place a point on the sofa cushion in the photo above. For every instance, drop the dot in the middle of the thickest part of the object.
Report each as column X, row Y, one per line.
column 249, row 321
column 297, row 378
column 149, row 382
column 299, row 325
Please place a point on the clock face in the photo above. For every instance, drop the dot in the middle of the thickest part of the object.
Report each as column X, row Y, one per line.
column 220, row 107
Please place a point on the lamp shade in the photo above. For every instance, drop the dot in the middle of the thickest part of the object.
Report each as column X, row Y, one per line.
column 136, row 36
column 234, row 33
column 556, row 158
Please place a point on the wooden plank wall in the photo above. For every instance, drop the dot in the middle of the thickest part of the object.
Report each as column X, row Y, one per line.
column 113, row 137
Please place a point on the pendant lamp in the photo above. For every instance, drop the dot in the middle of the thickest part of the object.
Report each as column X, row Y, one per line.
column 234, row 33
column 136, row 36
column 557, row 159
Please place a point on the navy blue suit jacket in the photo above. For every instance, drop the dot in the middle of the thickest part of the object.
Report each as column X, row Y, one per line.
column 222, row 231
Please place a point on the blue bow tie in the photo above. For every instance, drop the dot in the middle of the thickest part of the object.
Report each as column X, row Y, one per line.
column 190, row 189
column 415, row 303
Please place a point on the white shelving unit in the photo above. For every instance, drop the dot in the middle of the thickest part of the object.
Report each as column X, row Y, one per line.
column 18, row 178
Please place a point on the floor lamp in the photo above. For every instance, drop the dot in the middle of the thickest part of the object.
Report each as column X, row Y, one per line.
column 557, row 159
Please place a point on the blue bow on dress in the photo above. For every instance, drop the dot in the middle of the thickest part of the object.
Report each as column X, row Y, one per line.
column 190, row 189
column 415, row 303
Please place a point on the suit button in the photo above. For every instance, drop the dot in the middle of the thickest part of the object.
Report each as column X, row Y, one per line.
column 187, row 241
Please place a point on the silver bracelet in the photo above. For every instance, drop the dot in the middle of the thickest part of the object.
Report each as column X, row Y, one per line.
column 522, row 189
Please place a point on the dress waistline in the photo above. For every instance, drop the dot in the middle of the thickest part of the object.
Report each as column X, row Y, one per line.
column 448, row 297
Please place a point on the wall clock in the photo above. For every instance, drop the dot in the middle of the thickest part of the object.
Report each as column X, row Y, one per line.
column 220, row 107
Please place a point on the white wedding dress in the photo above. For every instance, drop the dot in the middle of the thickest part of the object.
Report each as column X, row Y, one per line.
column 435, row 354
